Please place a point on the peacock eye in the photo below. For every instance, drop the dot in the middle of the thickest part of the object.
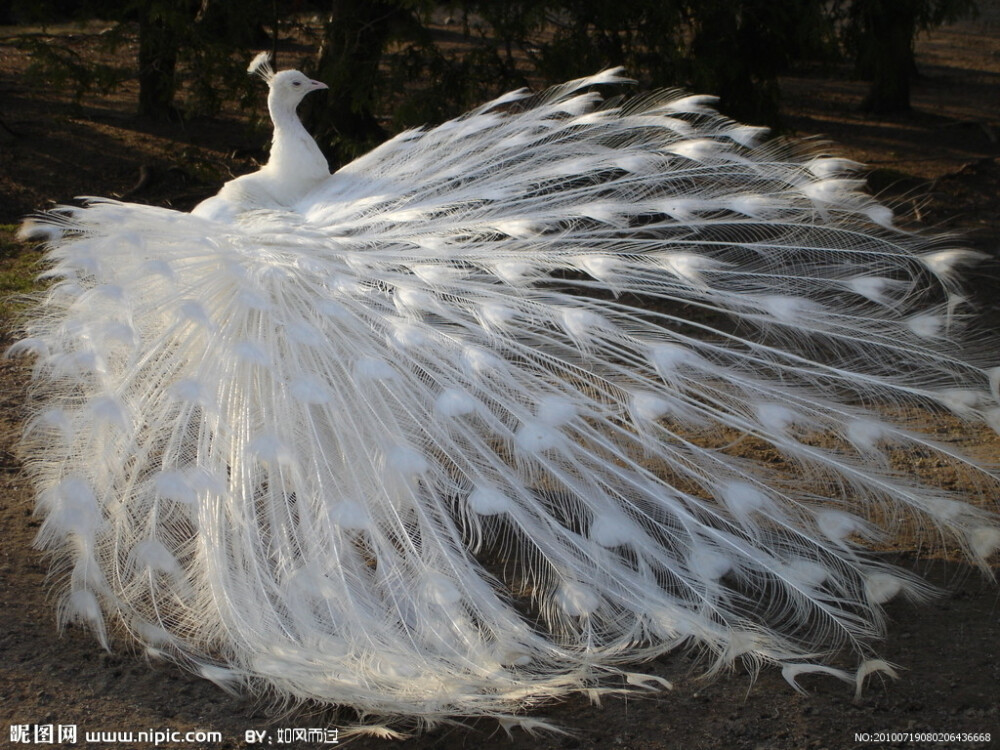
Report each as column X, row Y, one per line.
column 296, row 83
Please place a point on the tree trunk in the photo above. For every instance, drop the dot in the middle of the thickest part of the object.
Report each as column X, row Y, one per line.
column 887, row 31
column 159, row 42
column 722, row 64
column 356, row 34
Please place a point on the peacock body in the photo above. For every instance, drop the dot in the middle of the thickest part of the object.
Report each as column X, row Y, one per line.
column 457, row 428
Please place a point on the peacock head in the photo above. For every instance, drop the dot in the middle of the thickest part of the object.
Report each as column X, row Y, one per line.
column 288, row 87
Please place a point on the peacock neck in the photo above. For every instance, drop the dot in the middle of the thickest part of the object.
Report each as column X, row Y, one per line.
column 294, row 154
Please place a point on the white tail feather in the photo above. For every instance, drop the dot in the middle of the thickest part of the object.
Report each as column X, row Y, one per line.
column 457, row 431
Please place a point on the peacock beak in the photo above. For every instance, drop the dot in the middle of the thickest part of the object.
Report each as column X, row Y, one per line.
column 317, row 85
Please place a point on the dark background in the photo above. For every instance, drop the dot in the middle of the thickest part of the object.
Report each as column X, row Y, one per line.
column 90, row 105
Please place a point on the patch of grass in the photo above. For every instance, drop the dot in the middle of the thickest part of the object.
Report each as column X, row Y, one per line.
column 18, row 271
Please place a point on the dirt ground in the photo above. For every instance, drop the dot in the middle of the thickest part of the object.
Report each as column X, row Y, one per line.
column 941, row 163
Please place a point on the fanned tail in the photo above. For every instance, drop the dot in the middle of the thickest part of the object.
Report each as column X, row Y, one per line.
column 469, row 429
